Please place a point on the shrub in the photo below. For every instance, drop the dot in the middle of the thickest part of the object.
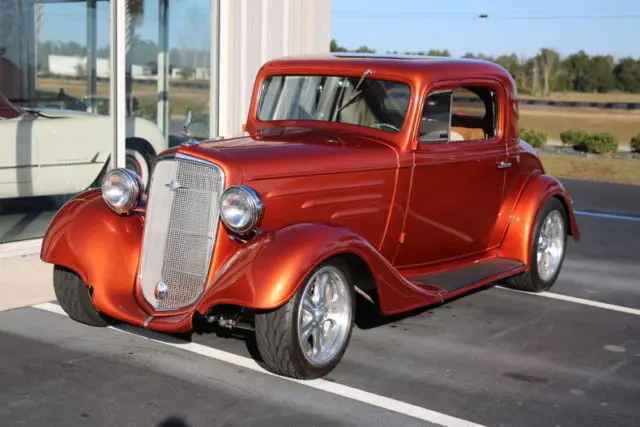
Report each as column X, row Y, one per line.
column 635, row 143
column 573, row 137
column 600, row 143
column 536, row 138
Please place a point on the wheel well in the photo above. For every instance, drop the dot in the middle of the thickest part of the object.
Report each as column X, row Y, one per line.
column 567, row 210
column 140, row 144
column 366, row 289
column 367, row 302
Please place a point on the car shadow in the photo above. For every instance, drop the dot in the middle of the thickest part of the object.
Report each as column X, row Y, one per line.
column 367, row 317
column 173, row 422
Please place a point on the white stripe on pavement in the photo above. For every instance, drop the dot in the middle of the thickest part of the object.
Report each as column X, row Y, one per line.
column 319, row 384
column 583, row 301
column 608, row 215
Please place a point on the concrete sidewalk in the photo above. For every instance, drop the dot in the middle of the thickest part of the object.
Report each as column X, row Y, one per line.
column 24, row 281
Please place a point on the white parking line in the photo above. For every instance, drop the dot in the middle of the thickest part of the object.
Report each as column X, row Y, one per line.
column 608, row 215
column 583, row 301
column 319, row 384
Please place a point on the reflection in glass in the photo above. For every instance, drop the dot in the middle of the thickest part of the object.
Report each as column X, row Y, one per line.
column 168, row 65
column 55, row 125
column 54, row 96
column 367, row 102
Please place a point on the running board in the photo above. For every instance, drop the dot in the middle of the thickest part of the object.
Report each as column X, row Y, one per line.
column 481, row 272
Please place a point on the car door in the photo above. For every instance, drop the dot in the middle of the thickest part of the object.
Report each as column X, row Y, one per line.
column 458, row 177
column 72, row 148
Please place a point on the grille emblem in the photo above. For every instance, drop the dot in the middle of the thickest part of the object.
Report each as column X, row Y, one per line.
column 161, row 290
column 174, row 185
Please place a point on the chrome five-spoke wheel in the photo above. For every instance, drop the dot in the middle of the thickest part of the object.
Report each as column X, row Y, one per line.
column 324, row 317
column 549, row 239
column 551, row 243
column 307, row 337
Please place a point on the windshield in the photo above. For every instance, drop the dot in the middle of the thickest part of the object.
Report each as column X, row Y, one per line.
column 379, row 103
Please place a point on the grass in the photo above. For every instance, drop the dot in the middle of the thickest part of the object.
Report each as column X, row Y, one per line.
column 592, row 168
column 181, row 98
column 623, row 124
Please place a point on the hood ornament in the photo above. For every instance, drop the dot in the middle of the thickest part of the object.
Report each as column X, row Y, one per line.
column 185, row 131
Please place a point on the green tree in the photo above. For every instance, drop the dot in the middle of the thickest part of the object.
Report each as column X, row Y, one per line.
column 602, row 73
column 548, row 60
column 626, row 75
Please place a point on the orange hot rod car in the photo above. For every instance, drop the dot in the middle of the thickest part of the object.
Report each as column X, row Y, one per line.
column 399, row 182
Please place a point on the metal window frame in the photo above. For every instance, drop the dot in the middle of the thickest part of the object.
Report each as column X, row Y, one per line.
column 117, row 80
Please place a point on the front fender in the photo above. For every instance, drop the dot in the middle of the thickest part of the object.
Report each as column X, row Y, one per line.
column 268, row 271
column 102, row 248
column 538, row 190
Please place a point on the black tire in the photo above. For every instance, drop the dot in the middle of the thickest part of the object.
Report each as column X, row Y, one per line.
column 139, row 150
column 277, row 334
column 530, row 281
column 73, row 296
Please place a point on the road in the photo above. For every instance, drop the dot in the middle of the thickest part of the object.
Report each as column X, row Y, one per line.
column 495, row 358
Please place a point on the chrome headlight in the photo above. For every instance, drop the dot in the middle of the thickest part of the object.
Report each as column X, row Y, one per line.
column 121, row 190
column 240, row 208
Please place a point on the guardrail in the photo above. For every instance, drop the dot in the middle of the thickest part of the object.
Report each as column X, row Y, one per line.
column 582, row 104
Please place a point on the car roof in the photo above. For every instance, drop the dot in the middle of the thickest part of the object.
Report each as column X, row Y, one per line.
column 416, row 66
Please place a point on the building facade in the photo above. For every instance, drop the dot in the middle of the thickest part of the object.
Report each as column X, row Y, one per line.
column 86, row 85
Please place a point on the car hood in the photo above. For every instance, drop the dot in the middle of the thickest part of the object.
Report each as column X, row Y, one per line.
column 298, row 153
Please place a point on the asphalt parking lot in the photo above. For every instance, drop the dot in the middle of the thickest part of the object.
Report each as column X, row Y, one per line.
column 494, row 358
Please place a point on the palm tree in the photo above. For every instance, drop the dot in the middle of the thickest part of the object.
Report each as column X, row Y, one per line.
column 135, row 12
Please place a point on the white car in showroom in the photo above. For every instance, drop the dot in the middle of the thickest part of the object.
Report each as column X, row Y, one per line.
column 50, row 152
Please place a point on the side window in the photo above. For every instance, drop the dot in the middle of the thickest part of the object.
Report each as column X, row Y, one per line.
column 435, row 122
column 460, row 114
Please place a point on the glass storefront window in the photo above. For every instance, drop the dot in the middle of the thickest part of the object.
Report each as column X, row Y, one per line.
column 55, row 131
column 168, row 71
column 56, row 90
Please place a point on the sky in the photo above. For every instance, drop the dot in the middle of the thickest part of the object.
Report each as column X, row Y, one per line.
column 520, row 27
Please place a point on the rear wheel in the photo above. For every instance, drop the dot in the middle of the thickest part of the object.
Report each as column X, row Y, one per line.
column 74, row 298
column 547, row 250
column 307, row 337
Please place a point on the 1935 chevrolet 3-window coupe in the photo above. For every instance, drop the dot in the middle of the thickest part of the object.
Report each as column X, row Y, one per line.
column 392, row 181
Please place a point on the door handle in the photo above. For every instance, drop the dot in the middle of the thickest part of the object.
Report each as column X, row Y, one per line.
column 504, row 165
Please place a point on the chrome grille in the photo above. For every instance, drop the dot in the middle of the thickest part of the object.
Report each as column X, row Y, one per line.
column 180, row 230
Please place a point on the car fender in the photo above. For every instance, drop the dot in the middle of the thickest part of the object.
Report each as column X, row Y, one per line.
column 100, row 246
column 538, row 190
column 269, row 270
column 149, row 131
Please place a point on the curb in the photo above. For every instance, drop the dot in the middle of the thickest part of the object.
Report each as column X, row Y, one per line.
column 21, row 248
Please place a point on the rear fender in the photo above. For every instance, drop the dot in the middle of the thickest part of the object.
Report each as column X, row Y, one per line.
column 269, row 270
column 102, row 248
column 518, row 236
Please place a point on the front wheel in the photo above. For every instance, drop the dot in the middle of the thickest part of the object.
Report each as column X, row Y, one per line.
column 74, row 298
column 547, row 250
column 307, row 337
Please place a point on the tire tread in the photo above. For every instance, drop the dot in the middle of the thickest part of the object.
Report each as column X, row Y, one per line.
column 73, row 297
column 528, row 281
column 272, row 340
column 276, row 338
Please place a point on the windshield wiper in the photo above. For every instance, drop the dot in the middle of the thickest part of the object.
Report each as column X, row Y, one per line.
column 356, row 91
